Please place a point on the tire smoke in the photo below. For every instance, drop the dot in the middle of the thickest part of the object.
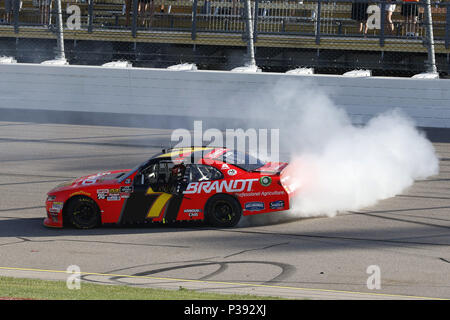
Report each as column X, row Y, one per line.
column 340, row 166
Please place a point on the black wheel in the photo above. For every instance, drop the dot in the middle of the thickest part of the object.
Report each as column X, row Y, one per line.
column 83, row 213
column 223, row 211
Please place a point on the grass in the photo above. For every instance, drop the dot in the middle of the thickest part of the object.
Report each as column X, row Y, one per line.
column 57, row 290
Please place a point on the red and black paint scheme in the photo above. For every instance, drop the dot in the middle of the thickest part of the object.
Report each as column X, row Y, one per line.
column 217, row 185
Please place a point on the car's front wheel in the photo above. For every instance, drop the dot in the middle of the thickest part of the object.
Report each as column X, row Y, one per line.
column 83, row 213
column 223, row 211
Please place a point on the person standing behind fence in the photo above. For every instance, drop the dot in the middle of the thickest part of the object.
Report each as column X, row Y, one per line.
column 169, row 7
column 359, row 13
column 45, row 8
column 390, row 8
column 410, row 12
column 8, row 10
column 145, row 11
column 126, row 11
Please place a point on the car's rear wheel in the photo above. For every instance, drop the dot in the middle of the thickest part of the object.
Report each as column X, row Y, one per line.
column 83, row 213
column 223, row 211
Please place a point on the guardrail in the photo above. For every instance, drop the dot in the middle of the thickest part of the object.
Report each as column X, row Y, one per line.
column 151, row 94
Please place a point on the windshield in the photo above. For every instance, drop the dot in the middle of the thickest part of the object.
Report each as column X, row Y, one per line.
column 243, row 160
column 139, row 166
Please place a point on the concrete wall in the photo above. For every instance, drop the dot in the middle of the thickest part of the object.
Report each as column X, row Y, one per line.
column 161, row 92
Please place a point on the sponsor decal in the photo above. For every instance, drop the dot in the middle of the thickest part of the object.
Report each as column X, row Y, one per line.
column 265, row 181
column 113, row 194
column 225, row 167
column 113, row 197
column 53, row 216
column 56, row 207
column 84, row 193
column 193, row 212
column 102, row 194
column 126, row 189
column 254, row 206
column 260, row 194
column 229, row 186
column 279, row 204
column 249, row 194
column 128, row 181
column 232, row 172
column 94, row 178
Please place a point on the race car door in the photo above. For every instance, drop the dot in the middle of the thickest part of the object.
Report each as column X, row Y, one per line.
column 192, row 207
column 153, row 197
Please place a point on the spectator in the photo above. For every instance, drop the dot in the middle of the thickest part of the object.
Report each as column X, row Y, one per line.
column 263, row 11
column 206, row 9
column 390, row 8
column 169, row 7
column 126, row 10
column 45, row 7
column 410, row 12
column 8, row 10
column 10, row 7
column 359, row 14
column 143, row 10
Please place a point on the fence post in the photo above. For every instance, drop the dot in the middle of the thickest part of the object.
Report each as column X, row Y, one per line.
column 447, row 25
column 319, row 6
column 60, row 32
column 16, row 8
column 249, row 27
column 194, row 20
column 382, row 21
column 255, row 25
column 135, row 18
column 91, row 16
column 429, row 40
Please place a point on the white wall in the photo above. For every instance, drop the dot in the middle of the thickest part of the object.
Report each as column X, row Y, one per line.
column 163, row 92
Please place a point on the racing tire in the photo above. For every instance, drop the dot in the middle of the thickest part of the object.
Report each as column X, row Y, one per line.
column 223, row 211
column 83, row 213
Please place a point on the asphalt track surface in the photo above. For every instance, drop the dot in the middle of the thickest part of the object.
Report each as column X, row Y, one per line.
column 407, row 237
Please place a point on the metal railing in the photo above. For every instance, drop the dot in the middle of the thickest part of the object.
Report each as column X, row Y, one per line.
column 380, row 19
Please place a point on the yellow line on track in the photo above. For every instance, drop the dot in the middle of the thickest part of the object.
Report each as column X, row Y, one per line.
column 227, row 283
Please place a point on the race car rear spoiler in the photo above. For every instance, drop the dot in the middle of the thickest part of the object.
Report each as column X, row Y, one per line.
column 272, row 167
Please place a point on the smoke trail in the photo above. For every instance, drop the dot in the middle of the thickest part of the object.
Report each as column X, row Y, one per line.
column 359, row 166
column 340, row 166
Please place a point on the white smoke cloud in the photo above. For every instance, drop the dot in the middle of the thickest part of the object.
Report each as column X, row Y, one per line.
column 359, row 166
column 341, row 166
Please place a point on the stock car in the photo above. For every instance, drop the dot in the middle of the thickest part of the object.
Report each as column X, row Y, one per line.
column 214, row 184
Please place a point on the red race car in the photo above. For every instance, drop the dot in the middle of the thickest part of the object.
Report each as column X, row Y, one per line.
column 218, row 185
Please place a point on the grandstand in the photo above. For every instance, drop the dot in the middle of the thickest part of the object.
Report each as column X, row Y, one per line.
column 320, row 34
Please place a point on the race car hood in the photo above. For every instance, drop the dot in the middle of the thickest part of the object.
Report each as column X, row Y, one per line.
column 272, row 167
column 98, row 179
